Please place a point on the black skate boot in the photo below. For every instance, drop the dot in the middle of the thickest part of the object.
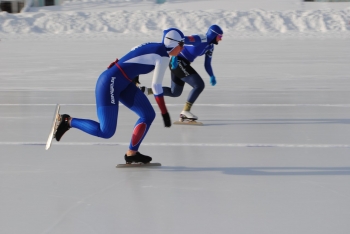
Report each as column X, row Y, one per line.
column 62, row 127
column 143, row 89
column 137, row 158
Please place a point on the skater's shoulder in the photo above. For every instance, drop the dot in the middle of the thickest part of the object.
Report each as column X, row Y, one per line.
column 150, row 48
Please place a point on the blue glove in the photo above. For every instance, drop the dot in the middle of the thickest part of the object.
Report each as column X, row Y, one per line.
column 212, row 80
column 173, row 62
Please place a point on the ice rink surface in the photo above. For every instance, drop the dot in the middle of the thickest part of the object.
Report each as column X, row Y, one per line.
column 271, row 158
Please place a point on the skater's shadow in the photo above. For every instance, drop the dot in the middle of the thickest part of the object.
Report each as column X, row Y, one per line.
column 266, row 171
column 209, row 122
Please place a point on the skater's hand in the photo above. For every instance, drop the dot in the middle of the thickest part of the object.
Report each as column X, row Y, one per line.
column 212, row 80
column 166, row 119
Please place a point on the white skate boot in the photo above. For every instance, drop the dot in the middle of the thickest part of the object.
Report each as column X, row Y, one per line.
column 187, row 118
column 186, row 115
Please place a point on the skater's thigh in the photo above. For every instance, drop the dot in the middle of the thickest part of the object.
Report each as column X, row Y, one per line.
column 183, row 69
column 133, row 98
column 176, row 90
column 108, row 88
column 176, row 81
column 107, row 94
column 195, row 80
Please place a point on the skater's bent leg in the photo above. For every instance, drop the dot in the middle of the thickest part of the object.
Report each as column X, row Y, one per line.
column 107, row 116
column 136, row 101
column 177, row 86
column 198, row 86
column 174, row 91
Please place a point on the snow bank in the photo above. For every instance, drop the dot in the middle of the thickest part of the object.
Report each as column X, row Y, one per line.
column 112, row 19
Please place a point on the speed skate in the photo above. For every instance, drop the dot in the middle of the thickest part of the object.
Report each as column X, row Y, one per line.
column 187, row 118
column 185, row 121
column 55, row 123
column 138, row 165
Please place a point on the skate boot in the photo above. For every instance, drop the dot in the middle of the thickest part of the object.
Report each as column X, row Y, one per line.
column 137, row 158
column 145, row 90
column 62, row 127
column 186, row 115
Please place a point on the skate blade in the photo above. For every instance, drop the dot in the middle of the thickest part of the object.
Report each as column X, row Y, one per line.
column 54, row 127
column 188, row 122
column 139, row 165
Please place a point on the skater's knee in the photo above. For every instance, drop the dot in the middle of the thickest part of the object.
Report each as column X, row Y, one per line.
column 177, row 93
column 200, row 86
column 107, row 133
column 148, row 116
column 151, row 116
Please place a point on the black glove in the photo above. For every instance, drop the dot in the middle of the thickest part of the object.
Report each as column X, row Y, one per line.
column 167, row 120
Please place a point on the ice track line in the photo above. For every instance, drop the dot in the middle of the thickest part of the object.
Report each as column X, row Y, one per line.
column 204, row 105
column 233, row 145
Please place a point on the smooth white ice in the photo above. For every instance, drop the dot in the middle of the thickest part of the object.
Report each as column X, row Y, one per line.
column 271, row 158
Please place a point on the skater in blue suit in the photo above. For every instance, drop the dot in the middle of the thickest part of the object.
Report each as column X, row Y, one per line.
column 182, row 72
column 116, row 85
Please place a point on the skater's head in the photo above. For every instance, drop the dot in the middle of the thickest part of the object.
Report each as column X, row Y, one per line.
column 214, row 34
column 173, row 39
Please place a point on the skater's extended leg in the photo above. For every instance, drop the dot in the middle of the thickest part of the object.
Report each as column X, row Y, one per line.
column 107, row 98
column 106, row 128
column 107, row 116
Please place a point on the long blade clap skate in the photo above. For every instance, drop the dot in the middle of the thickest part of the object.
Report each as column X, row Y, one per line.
column 54, row 127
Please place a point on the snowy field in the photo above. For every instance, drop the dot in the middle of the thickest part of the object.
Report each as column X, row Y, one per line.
column 271, row 158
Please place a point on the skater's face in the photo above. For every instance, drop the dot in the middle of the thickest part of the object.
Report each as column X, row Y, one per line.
column 218, row 38
column 176, row 51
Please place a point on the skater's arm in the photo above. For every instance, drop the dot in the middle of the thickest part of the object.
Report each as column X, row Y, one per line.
column 207, row 64
column 207, row 61
column 159, row 70
column 158, row 75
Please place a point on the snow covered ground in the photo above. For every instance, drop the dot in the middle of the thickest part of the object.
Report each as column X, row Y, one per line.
column 115, row 19
column 271, row 158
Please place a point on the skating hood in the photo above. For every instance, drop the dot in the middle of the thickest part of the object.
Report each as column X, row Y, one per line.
column 171, row 38
column 213, row 31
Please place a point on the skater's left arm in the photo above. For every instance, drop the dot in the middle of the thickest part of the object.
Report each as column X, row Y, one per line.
column 207, row 65
column 158, row 75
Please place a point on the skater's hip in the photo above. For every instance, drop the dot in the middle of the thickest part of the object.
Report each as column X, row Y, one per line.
column 109, row 86
column 183, row 69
